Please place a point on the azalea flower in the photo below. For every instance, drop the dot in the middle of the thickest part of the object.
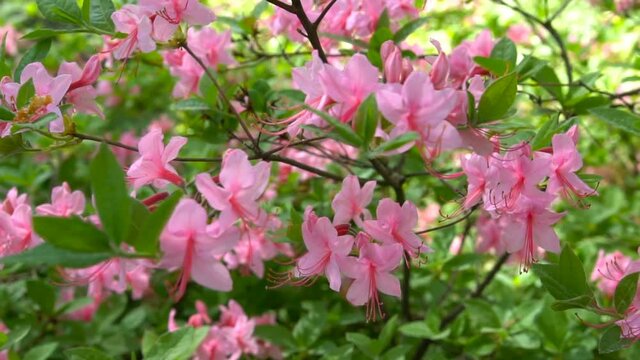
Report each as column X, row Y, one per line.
column 170, row 13
column 565, row 161
column 153, row 166
column 134, row 21
column 351, row 201
column 64, row 202
column 81, row 92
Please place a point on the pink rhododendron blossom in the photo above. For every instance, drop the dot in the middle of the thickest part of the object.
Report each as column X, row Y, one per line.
column 351, row 202
column 240, row 186
column 477, row 170
column 519, row 33
column 490, row 232
column 81, row 92
column 565, row 161
column 395, row 225
column 12, row 200
column 64, row 202
column 396, row 68
column 189, row 244
column 211, row 47
column 16, row 231
column 418, row 107
column 49, row 92
column 371, row 272
column 609, row 270
column 530, row 226
column 326, row 250
column 188, row 71
column 9, row 35
column 349, row 87
column 170, row 13
column 153, row 166
column 134, row 21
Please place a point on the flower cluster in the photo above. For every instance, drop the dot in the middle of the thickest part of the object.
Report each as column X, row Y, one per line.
column 73, row 85
column 508, row 187
column 367, row 258
column 231, row 337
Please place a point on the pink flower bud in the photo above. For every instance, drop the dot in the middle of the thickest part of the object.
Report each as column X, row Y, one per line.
column 440, row 71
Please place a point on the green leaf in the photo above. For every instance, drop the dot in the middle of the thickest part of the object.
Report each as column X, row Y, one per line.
column 11, row 145
column 78, row 235
column 497, row 67
column 548, row 274
column 100, row 14
column 340, row 131
column 6, row 114
column 388, row 332
column 611, row 341
column 35, row 53
column 25, row 93
column 15, row 335
column 471, row 108
column 625, row 292
column 110, row 192
column 259, row 96
column 529, row 66
column 505, row 50
column 5, row 70
column 276, row 334
column 363, row 343
column 42, row 294
column 86, row 10
column 545, row 133
column 408, row 29
column 395, row 143
column 547, row 78
column 177, row 345
column 147, row 240
column 294, row 231
column 86, row 353
column 47, row 254
column 579, row 302
column 420, row 329
column 40, row 352
column 192, row 104
column 66, row 11
column 366, row 120
column 48, row 33
column 498, row 98
column 571, row 273
column 620, row 119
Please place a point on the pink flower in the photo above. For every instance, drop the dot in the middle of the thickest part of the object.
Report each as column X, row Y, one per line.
column 134, row 21
column 417, row 106
column 49, row 92
column 519, row 33
column 63, row 202
column 609, row 270
column 153, row 165
column 81, row 92
column 396, row 68
column 351, row 86
column 212, row 47
column 490, row 232
column 12, row 200
column 476, row 168
column 10, row 36
column 170, row 13
column 372, row 273
column 565, row 161
column 395, row 224
column 16, row 231
column 326, row 250
column 188, row 71
column 240, row 186
column 189, row 244
column 351, row 201
column 529, row 227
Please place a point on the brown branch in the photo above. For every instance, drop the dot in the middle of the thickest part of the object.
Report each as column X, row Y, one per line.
column 324, row 12
column 282, row 5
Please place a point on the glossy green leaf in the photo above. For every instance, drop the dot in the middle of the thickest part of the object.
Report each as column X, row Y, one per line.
column 618, row 118
column 506, row 51
column 110, row 192
column 498, row 98
column 366, row 120
column 35, row 53
column 25, row 94
column 6, row 114
column 497, row 67
column 395, row 143
column 408, row 29
column 177, row 345
column 86, row 353
column 340, row 130
column 625, row 292
column 100, row 14
column 611, row 341
column 78, row 235
column 40, row 352
column 147, row 240
column 66, row 11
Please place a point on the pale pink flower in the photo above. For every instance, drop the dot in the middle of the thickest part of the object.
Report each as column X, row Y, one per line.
column 134, row 21
column 519, row 33
column 64, row 202
column 188, row 71
column 10, row 36
column 395, row 225
column 170, row 13
column 12, row 200
column 476, row 168
column 153, row 166
column 326, row 250
column 49, row 92
column 16, row 231
column 81, row 92
column 351, row 202
column 371, row 272
column 490, row 234
column 396, row 68
column 609, row 270
column 240, row 186
column 191, row 246
column 565, row 161
column 351, row 86
column 212, row 47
